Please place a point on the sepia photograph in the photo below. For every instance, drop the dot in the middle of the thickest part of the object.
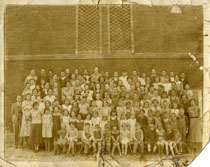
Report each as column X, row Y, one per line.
column 105, row 83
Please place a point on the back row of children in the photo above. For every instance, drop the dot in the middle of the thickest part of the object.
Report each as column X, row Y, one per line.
column 103, row 112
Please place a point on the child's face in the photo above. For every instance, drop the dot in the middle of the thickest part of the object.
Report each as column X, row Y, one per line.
column 181, row 111
column 152, row 127
column 175, row 105
column 113, row 113
column 28, row 97
column 171, row 74
column 187, row 87
column 47, row 111
column 67, row 102
column 114, row 128
column 97, row 97
column 66, row 112
column 157, row 79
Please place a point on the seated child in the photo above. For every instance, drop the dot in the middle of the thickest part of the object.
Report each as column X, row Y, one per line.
column 169, row 136
column 115, row 140
column 61, row 142
column 80, row 127
column 107, row 138
column 160, row 139
column 124, row 136
column 97, row 138
column 138, row 140
column 151, row 138
column 114, row 120
column 87, row 138
column 71, row 137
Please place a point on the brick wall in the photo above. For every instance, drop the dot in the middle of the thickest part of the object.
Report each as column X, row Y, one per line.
column 16, row 71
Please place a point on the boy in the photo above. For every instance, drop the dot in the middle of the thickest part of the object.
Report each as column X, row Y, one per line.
column 97, row 138
column 115, row 140
column 138, row 140
column 151, row 138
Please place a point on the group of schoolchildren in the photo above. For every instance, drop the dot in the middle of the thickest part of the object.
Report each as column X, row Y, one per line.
column 98, row 112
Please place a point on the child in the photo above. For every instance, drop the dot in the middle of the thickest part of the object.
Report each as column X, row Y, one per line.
column 175, row 109
column 151, row 138
column 115, row 140
column 107, row 138
column 66, row 105
column 106, row 110
column 124, row 138
column 87, row 138
column 142, row 120
column 95, row 119
column 71, row 137
column 138, row 140
column 146, row 107
column 73, row 118
column 120, row 109
column 174, row 121
column 80, row 127
column 61, row 142
column 83, row 107
column 97, row 138
column 160, row 139
column 114, row 120
column 169, row 136
column 50, row 96
column 66, row 118
column 56, row 117
column 47, row 128
column 103, row 122
column 132, row 125
column 183, row 127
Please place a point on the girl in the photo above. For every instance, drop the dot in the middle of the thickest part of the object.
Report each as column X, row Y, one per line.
column 56, row 90
column 175, row 109
column 36, row 126
column 114, row 120
column 178, row 83
column 132, row 125
column 50, row 96
column 124, row 138
column 156, row 82
column 73, row 119
column 80, row 127
column 25, row 124
column 71, row 137
column 93, row 108
column 115, row 140
column 47, row 128
column 88, row 120
column 183, row 127
column 61, row 143
column 83, row 106
column 146, row 107
column 34, row 95
column 68, row 91
column 160, row 139
column 56, row 117
column 120, row 109
column 106, row 110
column 188, row 92
column 95, row 119
column 66, row 119
column 99, row 103
column 87, row 138
column 67, row 106
column 164, row 97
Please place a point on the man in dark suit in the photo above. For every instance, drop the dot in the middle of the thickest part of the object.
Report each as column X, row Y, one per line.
column 16, row 113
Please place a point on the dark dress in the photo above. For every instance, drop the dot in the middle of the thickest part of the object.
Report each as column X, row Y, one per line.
column 56, row 125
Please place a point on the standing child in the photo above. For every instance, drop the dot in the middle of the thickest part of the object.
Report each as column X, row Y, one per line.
column 66, row 118
column 183, row 127
column 132, row 125
column 160, row 139
column 87, row 138
column 80, row 127
column 107, row 138
column 114, row 120
column 124, row 136
column 115, row 140
column 47, row 128
column 56, row 117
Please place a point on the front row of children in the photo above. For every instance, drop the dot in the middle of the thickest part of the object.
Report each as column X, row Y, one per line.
column 114, row 138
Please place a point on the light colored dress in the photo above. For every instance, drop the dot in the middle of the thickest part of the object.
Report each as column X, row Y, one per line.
column 124, row 136
column 195, row 131
column 47, row 126
column 25, row 124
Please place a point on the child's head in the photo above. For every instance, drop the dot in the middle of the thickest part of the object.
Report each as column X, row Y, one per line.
column 28, row 96
column 155, row 102
column 50, row 92
column 175, row 105
column 67, row 102
column 164, row 94
column 181, row 111
column 187, row 87
column 47, row 111
column 97, row 96
column 79, row 117
column 56, row 109
column 150, row 112
column 66, row 112
column 157, row 79
column 146, row 104
column 152, row 126
column 104, row 118
column 114, row 128
column 138, row 127
column 35, row 105
column 114, row 113
column 157, row 113
column 88, row 117
column 171, row 74
column 142, row 112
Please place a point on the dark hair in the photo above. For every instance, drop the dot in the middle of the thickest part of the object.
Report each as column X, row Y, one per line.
column 35, row 103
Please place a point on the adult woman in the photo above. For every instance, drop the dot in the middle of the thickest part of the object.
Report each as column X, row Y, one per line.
column 36, row 127
column 195, row 134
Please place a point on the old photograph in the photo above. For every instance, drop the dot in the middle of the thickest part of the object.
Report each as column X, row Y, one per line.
column 99, row 83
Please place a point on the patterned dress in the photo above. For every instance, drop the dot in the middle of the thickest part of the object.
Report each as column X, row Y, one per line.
column 25, row 124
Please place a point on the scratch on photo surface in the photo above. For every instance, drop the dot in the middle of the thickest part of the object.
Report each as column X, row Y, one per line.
column 7, row 162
